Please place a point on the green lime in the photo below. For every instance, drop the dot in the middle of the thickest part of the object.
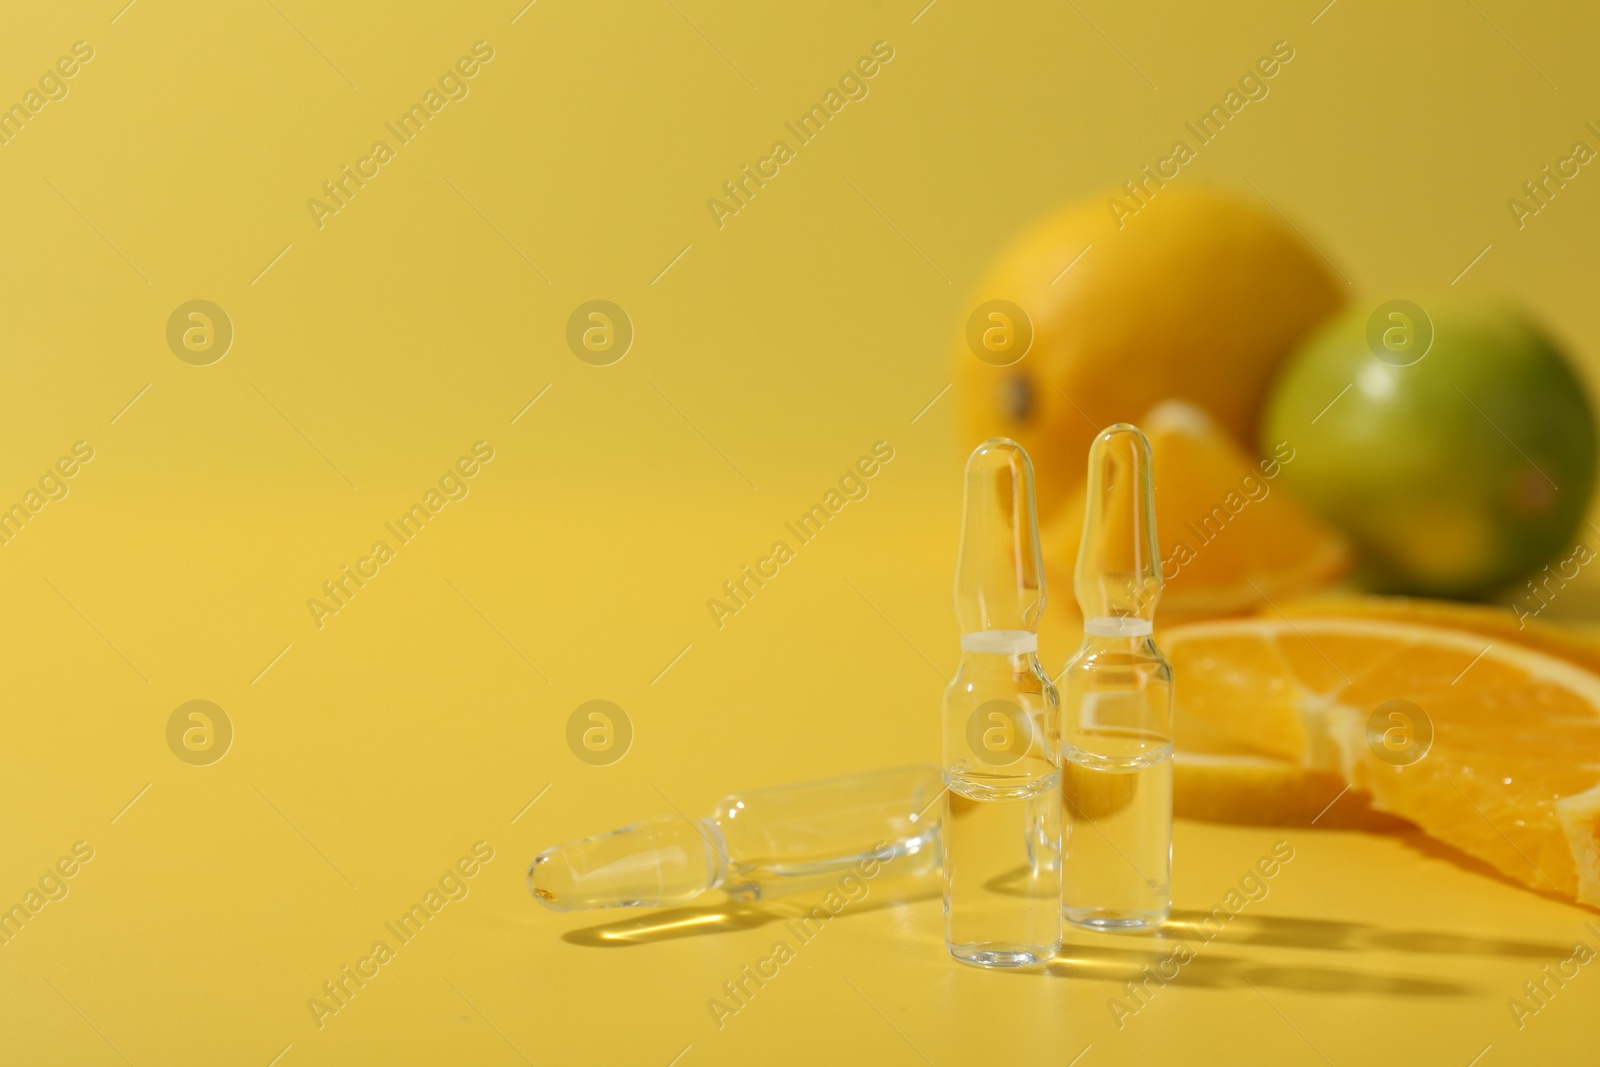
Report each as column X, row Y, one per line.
column 1451, row 441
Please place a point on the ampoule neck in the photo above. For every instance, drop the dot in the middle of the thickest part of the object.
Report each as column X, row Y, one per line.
column 999, row 651
column 717, row 852
column 1115, row 626
column 998, row 663
column 1143, row 647
column 1000, row 642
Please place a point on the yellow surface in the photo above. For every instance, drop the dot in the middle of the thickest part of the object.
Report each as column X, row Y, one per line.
column 423, row 717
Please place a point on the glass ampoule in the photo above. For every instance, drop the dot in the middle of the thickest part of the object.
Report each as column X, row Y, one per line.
column 1002, row 825
column 1116, row 739
column 754, row 845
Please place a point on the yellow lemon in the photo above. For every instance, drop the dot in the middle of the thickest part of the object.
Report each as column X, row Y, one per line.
column 1086, row 321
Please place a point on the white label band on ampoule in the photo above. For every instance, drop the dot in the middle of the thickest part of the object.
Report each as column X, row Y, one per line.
column 1008, row 642
column 1117, row 626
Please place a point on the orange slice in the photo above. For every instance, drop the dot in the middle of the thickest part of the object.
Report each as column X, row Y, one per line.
column 1512, row 774
column 1258, row 791
column 1495, row 621
column 1230, row 534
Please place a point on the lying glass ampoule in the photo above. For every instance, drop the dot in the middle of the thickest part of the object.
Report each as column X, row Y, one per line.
column 754, row 845
column 1116, row 740
column 1002, row 827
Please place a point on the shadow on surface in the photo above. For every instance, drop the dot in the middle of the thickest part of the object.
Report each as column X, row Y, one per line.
column 1435, row 849
column 1282, row 932
column 1357, row 814
column 1188, row 926
column 1208, row 971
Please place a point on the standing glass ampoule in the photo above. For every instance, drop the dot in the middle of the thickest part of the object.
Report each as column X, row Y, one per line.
column 1116, row 740
column 1002, row 826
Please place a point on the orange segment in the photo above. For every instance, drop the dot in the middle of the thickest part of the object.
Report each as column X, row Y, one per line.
column 1328, row 664
column 1235, row 680
column 1258, row 791
column 1489, row 620
column 1513, row 773
column 1229, row 533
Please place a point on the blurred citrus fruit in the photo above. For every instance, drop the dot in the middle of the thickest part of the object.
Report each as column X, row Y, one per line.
column 1452, row 442
column 1199, row 296
column 1488, row 746
column 1229, row 534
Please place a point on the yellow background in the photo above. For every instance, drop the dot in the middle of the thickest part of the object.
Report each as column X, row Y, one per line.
column 429, row 712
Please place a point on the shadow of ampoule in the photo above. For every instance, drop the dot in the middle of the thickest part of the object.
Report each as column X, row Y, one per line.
column 1207, row 969
column 670, row 924
column 1284, row 932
